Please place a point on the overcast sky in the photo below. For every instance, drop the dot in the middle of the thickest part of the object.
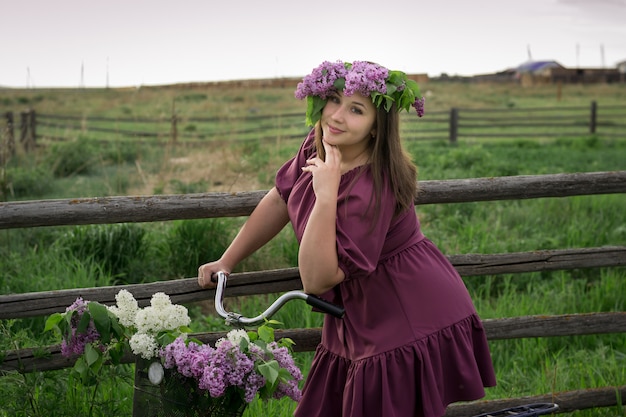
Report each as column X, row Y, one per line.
column 69, row 43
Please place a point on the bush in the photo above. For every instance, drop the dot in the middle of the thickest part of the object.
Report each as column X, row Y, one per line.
column 180, row 187
column 118, row 248
column 70, row 158
column 21, row 182
column 120, row 152
column 194, row 242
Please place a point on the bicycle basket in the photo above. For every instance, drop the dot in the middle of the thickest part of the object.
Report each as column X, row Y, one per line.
column 178, row 396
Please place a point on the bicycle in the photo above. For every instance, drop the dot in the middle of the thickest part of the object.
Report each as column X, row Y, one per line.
column 237, row 320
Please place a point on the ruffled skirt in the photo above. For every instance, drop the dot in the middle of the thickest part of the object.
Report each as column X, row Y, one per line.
column 418, row 379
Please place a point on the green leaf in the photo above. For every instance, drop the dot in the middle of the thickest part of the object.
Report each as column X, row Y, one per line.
column 314, row 109
column 411, row 84
column 116, row 327
column 388, row 103
column 391, row 88
column 266, row 334
column 116, row 353
column 284, row 375
column 340, row 84
column 53, row 322
column 80, row 367
column 269, row 370
column 91, row 354
column 101, row 319
column 184, row 329
column 68, row 317
column 166, row 337
column 195, row 340
column 286, row 342
column 261, row 344
column 85, row 319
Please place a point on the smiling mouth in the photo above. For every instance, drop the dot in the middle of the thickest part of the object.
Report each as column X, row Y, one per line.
column 332, row 129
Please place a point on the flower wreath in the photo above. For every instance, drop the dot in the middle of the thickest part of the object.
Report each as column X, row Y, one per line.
column 385, row 87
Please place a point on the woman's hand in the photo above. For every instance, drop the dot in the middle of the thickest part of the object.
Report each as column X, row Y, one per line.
column 317, row 257
column 326, row 174
column 207, row 273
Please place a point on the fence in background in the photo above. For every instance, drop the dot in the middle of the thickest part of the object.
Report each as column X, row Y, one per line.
column 458, row 123
column 158, row 208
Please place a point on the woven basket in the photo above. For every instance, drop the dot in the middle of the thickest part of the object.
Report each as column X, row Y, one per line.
column 178, row 396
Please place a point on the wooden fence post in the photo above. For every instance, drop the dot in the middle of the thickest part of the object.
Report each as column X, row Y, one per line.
column 23, row 128
column 10, row 134
column 594, row 114
column 174, row 127
column 28, row 130
column 33, row 128
column 454, row 125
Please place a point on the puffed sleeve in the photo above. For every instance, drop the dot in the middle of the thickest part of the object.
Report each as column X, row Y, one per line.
column 291, row 170
column 361, row 233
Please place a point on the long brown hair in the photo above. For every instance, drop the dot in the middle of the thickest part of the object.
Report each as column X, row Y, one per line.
column 388, row 159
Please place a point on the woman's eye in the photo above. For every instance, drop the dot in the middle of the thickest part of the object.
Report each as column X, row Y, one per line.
column 334, row 99
column 356, row 110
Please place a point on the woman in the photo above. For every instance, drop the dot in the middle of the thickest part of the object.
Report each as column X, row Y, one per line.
column 411, row 342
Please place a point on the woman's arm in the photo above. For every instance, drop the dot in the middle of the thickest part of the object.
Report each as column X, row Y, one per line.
column 266, row 221
column 317, row 258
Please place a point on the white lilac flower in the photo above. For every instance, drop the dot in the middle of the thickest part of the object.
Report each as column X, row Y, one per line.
column 219, row 342
column 236, row 335
column 153, row 320
column 160, row 301
column 175, row 316
column 144, row 344
column 126, row 308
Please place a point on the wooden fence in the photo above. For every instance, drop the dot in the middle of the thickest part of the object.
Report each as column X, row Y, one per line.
column 608, row 121
column 158, row 208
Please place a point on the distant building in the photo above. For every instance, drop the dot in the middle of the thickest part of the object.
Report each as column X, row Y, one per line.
column 537, row 68
column 552, row 72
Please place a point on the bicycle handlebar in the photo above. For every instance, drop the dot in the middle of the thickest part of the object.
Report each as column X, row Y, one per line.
column 237, row 319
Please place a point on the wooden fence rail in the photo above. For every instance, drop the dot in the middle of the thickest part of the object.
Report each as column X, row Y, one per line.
column 49, row 358
column 159, row 208
column 449, row 125
column 281, row 280
column 206, row 205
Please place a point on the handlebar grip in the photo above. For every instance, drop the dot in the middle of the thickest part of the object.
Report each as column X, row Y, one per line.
column 325, row 306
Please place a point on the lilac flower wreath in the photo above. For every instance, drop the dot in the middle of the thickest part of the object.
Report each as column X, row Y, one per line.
column 385, row 87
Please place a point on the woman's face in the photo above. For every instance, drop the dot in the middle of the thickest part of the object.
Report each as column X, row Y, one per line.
column 348, row 120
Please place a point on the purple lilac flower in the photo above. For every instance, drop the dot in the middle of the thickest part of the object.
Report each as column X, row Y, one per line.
column 288, row 389
column 254, row 382
column 285, row 360
column 200, row 360
column 243, row 365
column 419, row 106
column 321, row 81
column 217, row 369
column 365, row 78
column 214, row 378
column 77, row 341
column 189, row 360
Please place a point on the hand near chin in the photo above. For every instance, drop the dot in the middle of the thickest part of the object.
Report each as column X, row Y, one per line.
column 326, row 174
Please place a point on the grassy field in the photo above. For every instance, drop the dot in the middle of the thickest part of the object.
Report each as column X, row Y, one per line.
column 72, row 257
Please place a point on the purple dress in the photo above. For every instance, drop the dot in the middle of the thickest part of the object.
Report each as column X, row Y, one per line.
column 411, row 342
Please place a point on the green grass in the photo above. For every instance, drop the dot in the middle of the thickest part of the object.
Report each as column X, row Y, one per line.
column 43, row 259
